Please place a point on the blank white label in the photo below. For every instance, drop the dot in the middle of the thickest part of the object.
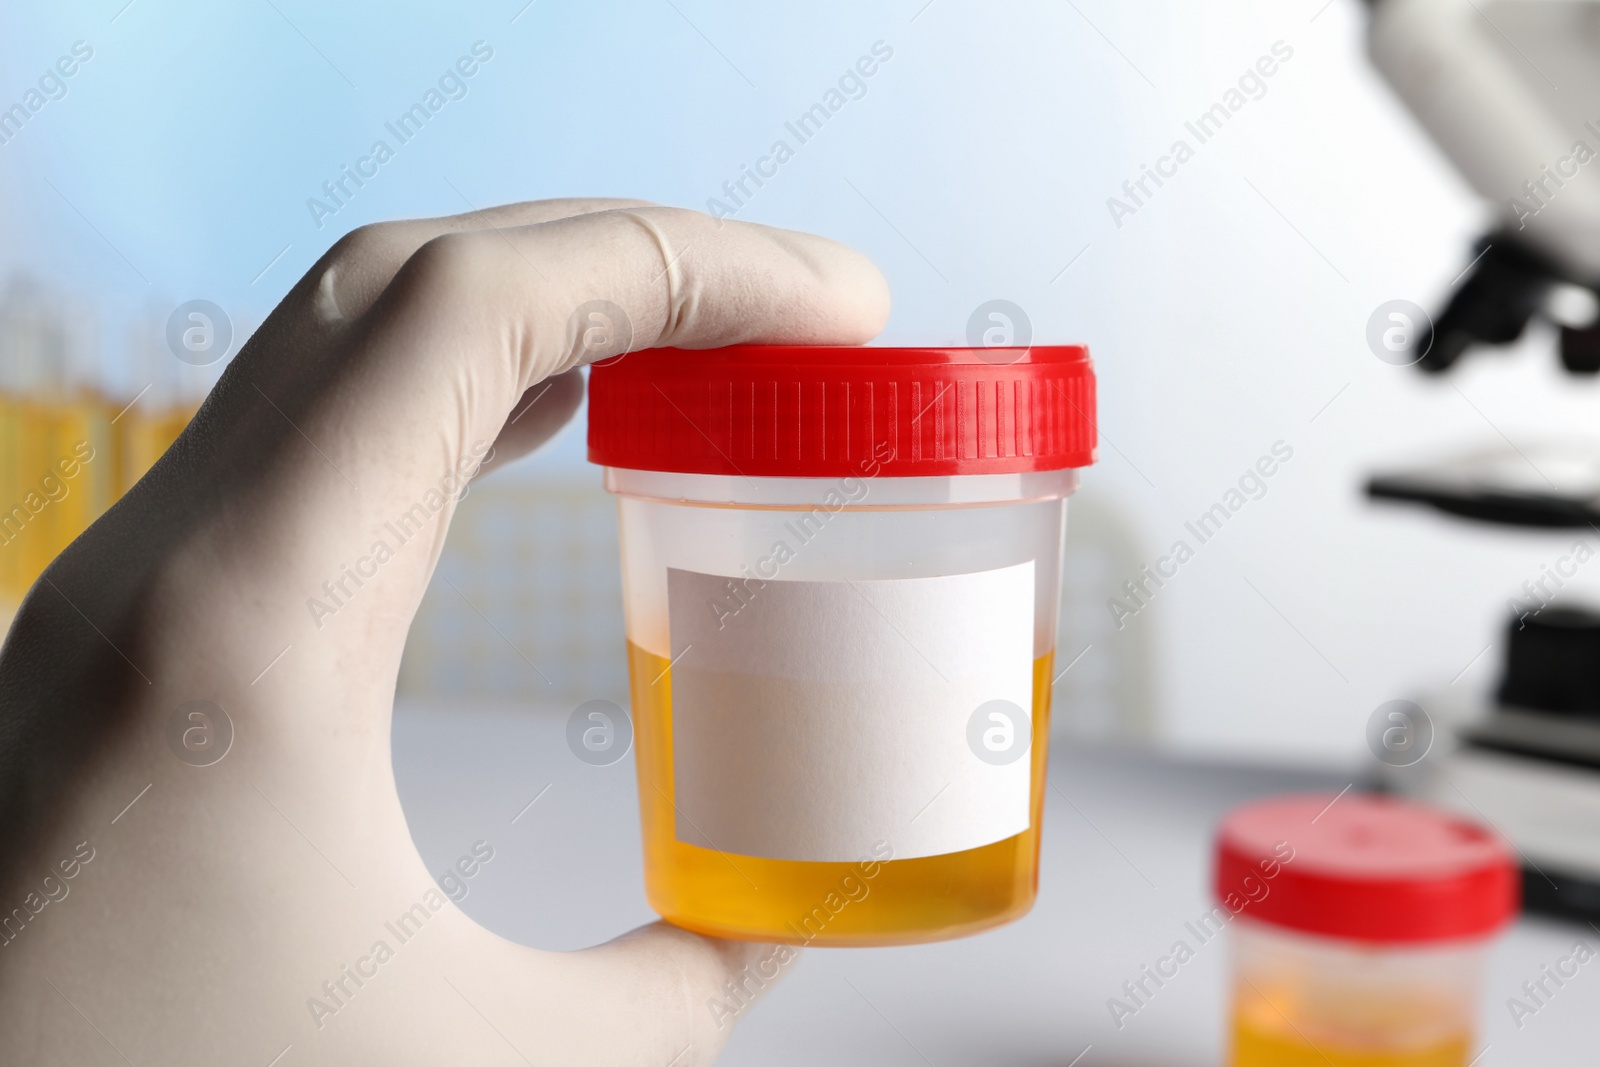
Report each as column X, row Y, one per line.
column 814, row 720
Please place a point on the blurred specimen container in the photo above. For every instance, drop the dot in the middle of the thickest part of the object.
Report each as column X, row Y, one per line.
column 841, row 570
column 68, row 447
column 1361, row 929
column 55, row 434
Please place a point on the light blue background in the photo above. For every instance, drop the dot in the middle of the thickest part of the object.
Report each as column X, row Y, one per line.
column 1227, row 314
column 195, row 136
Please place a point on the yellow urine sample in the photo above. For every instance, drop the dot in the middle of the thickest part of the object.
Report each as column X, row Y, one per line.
column 750, row 898
column 143, row 437
column 1346, row 1030
column 80, row 442
column 64, row 460
column 30, row 536
column 10, row 557
column 60, row 477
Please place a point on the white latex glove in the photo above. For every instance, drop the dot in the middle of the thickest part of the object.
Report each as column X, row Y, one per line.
column 197, row 924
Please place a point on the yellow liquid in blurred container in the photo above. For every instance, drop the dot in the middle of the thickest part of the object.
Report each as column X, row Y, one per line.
column 64, row 460
column 67, row 450
column 30, row 530
column 59, row 459
column 10, row 564
column 1279, row 1029
column 81, row 468
column 142, row 438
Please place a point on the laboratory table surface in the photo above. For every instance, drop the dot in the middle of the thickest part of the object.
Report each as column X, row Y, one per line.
column 1125, row 865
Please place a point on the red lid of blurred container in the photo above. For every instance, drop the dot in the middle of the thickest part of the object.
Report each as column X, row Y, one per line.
column 1366, row 868
column 819, row 411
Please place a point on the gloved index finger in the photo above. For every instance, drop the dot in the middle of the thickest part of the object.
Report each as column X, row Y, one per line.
column 364, row 261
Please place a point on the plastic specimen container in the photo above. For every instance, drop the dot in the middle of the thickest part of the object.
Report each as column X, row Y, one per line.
column 840, row 572
column 1360, row 930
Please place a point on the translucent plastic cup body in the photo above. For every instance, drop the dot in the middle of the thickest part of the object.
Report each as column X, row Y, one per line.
column 858, row 543
column 1300, row 999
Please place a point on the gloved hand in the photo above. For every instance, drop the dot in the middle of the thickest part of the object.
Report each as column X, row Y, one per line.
column 157, row 912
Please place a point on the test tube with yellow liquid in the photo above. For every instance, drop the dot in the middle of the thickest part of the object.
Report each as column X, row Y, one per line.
column 53, row 426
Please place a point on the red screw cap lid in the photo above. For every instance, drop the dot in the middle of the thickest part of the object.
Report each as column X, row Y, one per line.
column 804, row 411
column 1367, row 868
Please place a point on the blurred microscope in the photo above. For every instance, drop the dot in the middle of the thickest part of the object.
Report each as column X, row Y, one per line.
column 1510, row 92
